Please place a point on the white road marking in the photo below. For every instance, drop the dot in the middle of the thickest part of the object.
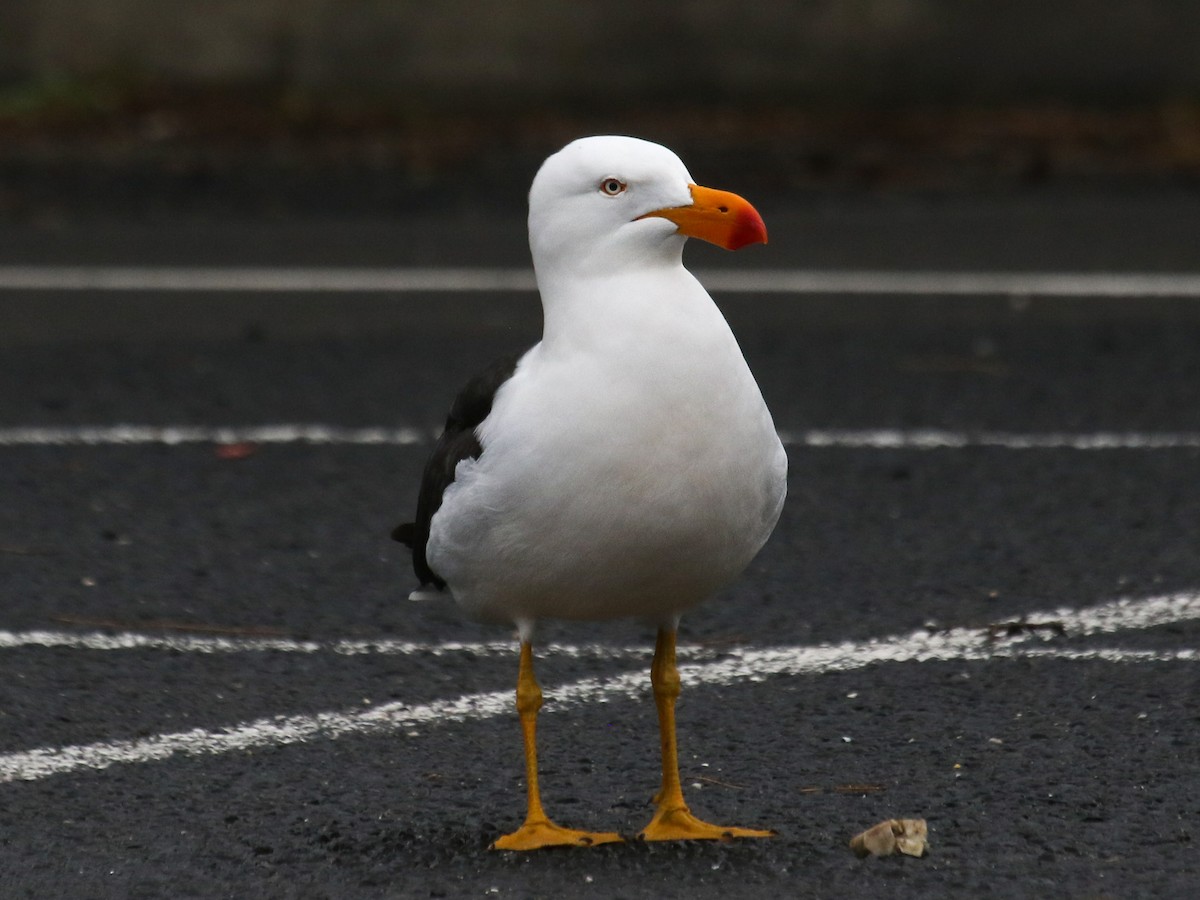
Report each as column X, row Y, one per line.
column 955, row 284
column 1118, row 615
column 945, row 439
column 203, row 644
column 402, row 436
column 740, row 665
column 270, row 279
column 172, row 435
column 263, row 279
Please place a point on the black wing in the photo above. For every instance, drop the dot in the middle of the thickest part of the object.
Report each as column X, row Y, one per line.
column 458, row 442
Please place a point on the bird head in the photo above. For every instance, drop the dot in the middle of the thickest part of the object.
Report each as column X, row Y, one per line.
column 604, row 202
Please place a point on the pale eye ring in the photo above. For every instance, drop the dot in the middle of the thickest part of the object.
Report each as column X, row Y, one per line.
column 612, row 186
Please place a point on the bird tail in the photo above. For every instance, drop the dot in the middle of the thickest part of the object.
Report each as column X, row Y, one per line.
column 432, row 587
column 405, row 534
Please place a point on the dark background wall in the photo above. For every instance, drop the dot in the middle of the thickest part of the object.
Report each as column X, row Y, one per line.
column 471, row 54
column 273, row 106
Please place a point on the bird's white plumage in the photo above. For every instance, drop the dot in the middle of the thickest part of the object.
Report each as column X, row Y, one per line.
column 630, row 466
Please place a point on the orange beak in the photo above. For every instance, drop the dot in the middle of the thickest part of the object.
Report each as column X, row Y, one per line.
column 718, row 217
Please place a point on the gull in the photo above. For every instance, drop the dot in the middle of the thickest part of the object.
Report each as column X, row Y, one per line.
column 625, row 465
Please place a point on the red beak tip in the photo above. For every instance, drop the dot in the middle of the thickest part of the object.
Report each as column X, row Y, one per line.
column 750, row 230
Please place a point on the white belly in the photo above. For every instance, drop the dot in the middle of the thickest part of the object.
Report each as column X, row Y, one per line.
column 612, row 488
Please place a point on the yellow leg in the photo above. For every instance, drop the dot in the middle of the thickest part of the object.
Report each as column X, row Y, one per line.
column 538, row 831
column 673, row 821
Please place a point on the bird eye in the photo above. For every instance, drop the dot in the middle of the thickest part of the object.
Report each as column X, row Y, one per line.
column 612, row 186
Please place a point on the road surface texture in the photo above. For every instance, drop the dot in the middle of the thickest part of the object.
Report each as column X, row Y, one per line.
column 212, row 683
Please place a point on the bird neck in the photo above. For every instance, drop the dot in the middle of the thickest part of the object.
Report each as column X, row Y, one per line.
column 619, row 308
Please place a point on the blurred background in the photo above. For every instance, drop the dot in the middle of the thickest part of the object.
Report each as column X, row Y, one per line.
column 286, row 107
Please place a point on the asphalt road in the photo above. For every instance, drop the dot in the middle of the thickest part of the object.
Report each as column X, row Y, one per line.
column 1066, row 771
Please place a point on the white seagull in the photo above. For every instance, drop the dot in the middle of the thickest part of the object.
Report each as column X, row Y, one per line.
column 625, row 465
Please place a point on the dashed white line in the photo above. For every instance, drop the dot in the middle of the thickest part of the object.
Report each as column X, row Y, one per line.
column 741, row 665
column 403, row 436
column 270, row 279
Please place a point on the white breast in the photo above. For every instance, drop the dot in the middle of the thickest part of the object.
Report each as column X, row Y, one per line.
column 630, row 467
